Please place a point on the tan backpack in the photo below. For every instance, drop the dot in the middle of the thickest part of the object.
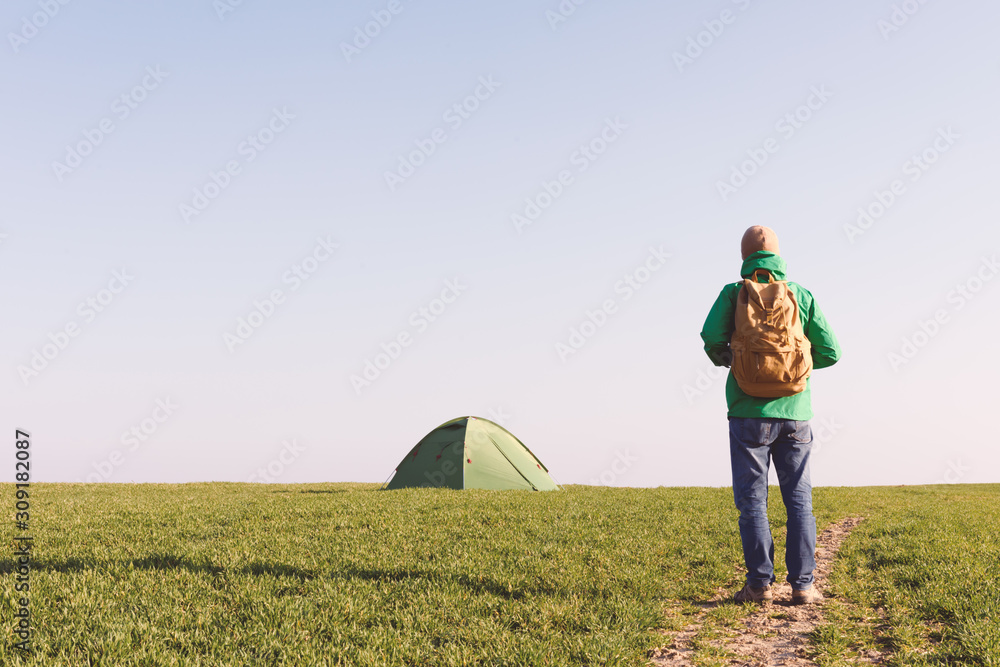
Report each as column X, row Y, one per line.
column 771, row 355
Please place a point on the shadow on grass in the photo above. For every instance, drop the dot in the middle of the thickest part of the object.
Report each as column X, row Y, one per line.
column 324, row 491
column 171, row 562
column 296, row 491
column 162, row 563
column 476, row 585
column 708, row 605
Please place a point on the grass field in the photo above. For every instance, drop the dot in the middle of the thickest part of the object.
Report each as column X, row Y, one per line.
column 237, row 574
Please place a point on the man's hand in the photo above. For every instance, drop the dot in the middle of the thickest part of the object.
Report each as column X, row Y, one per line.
column 722, row 357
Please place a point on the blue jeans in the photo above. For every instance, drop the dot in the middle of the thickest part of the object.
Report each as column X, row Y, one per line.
column 753, row 443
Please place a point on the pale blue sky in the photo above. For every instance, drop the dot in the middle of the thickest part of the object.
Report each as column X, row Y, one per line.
column 887, row 96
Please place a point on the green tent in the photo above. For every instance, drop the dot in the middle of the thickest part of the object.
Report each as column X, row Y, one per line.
column 471, row 453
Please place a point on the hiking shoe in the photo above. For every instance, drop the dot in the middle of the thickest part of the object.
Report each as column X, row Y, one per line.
column 807, row 596
column 750, row 594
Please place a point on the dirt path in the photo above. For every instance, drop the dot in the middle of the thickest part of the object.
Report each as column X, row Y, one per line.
column 776, row 634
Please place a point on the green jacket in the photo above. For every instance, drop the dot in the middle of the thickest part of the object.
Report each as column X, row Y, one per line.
column 718, row 330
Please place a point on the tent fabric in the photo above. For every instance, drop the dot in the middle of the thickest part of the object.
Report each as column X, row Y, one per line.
column 471, row 453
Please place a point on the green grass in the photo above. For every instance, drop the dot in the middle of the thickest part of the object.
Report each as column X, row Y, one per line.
column 220, row 574
column 922, row 576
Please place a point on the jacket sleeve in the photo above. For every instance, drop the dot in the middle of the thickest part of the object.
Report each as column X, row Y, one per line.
column 719, row 325
column 825, row 348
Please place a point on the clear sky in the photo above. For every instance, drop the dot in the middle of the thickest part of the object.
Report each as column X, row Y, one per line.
column 241, row 236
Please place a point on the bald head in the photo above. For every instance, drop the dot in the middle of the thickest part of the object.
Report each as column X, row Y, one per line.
column 759, row 238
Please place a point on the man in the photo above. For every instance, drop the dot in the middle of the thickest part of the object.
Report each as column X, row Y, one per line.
column 764, row 428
